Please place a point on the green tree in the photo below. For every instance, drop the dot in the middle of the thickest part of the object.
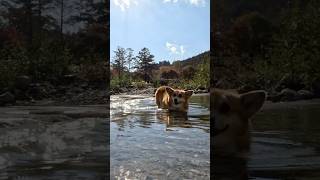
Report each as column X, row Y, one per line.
column 119, row 61
column 130, row 59
column 145, row 63
column 188, row 72
column 296, row 48
column 250, row 35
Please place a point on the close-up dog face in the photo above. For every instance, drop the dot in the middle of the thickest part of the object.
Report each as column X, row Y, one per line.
column 231, row 116
column 179, row 99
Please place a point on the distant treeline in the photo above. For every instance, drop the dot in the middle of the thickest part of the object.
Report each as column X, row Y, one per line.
column 49, row 39
column 129, row 70
column 266, row 44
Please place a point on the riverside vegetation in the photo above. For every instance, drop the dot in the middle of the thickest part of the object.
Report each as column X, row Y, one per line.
column 53, row 50
column 140, row 74
column 271, row 45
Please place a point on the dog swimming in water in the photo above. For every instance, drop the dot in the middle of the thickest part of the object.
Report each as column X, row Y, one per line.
column 173, row 99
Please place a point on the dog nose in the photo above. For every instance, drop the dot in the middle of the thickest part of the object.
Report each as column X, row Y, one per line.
column 176, row 101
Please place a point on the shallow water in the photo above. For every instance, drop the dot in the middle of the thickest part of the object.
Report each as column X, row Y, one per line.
column 53, row 142
column 149, row 143
column 286, row 141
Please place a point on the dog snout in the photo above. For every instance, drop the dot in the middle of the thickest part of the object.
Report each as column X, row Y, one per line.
column 176, row 101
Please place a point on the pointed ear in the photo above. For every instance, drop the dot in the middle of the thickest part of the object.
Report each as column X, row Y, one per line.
column 252, row 102
column 189, row 93
column 169, row 90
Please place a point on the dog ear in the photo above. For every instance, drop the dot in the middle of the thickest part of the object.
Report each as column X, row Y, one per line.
column 252, row 102
column 189, row 93
column 169, row 90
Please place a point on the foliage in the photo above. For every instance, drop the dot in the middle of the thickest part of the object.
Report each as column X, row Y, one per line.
column 34, row 41
column 119, row 61
column 116, row 83
column 188, row 72
column 202, row 77
column 13, row 62
column 261, row 51
column 295, row 50
column 144, row 62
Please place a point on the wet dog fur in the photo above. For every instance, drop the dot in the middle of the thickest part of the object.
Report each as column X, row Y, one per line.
column 231, row 116
column 173, row 99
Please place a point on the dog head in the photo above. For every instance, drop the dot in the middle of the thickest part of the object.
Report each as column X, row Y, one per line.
column 179, row 99
column 231, row 116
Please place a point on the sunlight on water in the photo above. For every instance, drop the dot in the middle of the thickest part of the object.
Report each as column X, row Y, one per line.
column 147, row 142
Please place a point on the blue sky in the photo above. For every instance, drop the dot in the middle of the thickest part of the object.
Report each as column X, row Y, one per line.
column 171, row 29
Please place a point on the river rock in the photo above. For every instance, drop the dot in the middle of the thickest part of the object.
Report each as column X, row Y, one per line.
column 201, row 88
column 7, row 98
column 290, row 82
column 22, row 82
column 289, row 95
column 198, row 91
column 37, row 91
column 69, row 78
column 20, row 95
column 274, row 97
column 305, row 94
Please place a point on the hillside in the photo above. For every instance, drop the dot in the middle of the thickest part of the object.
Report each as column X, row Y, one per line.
column 195, row 60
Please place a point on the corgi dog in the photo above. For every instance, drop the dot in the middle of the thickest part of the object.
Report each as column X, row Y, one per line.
column 231, row 116
column 173, row 99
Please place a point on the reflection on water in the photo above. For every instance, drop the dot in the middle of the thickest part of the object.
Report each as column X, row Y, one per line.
column 53, row 142
column 286, row 140
column 147, row 142
column 285, row 144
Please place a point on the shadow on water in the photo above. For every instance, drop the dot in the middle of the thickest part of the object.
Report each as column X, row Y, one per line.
column 286, row 140
column 285, row 144
column 147, row 142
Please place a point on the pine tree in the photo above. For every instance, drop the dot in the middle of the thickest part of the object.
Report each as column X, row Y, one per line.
column 145, row 62
column 119, row 61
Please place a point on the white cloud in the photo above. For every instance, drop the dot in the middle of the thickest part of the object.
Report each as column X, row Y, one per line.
column 174, row 1
column 175, row 49
column 197, row 2
column 182, row 50
column 192, row 2
column 125, row 4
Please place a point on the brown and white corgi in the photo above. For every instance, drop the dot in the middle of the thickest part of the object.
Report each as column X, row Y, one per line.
column 231, row 116
column 173, row 99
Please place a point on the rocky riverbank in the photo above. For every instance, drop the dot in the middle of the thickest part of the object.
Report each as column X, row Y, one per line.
column 148, row 91
column 74, row 91
column 69, row 91
column 285, row 94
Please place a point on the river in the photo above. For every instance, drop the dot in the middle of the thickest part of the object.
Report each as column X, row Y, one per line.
column 71, row 142
column 54, row 142
column 149, row 143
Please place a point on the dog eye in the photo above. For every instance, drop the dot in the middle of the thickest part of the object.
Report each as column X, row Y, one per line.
column 224, row 108
column 180, row 95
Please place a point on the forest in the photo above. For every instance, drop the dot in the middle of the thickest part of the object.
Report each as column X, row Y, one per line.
column 48, row 43
column 270, row 45
column 141, row 71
